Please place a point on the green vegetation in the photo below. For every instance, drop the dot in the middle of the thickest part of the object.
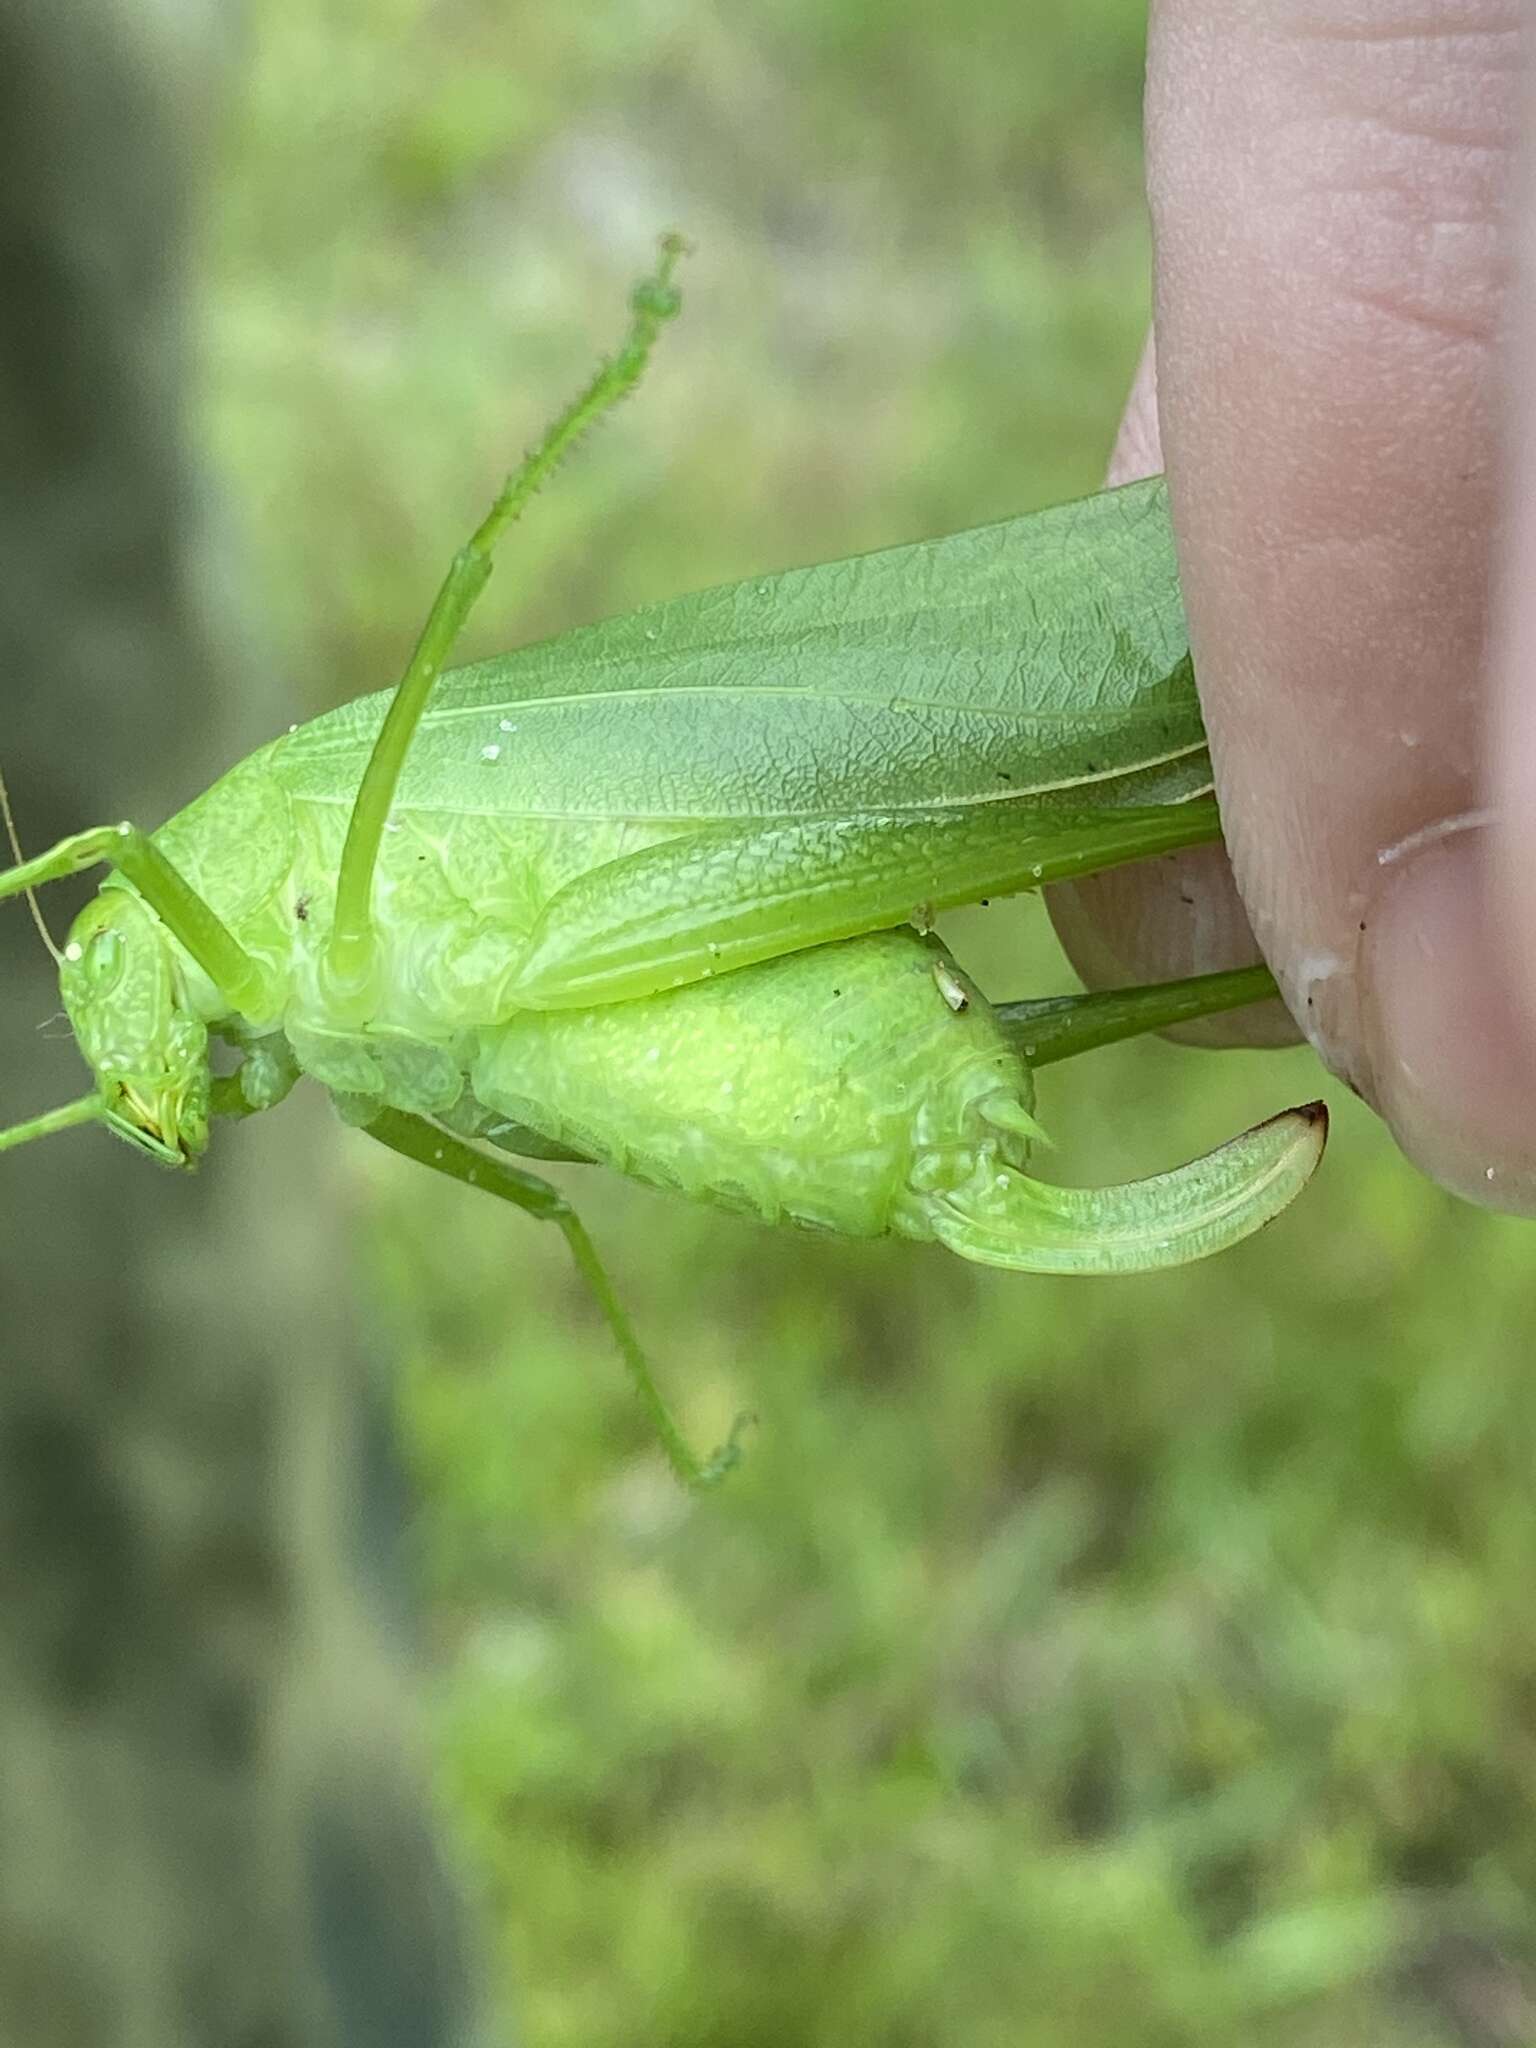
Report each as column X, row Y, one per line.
column 1138, row 1661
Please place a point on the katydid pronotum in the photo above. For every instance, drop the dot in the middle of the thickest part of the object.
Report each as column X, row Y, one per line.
column 645, row 895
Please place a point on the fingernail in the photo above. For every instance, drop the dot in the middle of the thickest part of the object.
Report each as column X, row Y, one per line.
column 1451, row 1063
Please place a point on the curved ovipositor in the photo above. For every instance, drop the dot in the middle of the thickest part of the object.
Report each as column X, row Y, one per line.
column 1006, row 1218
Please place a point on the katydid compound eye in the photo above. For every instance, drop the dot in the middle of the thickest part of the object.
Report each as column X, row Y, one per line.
column 103, row 962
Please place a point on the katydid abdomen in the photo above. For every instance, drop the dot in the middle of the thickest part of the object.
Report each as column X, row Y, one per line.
column 864, row 1088
column 816, row 1089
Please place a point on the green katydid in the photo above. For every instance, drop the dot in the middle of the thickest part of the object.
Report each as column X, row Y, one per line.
column 643, row 895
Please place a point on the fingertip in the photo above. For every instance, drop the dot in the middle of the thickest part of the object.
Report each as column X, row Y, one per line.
column 1449, row 1058
column 1332, row 256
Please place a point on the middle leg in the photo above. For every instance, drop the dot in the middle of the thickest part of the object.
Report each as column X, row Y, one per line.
column 429, row 1145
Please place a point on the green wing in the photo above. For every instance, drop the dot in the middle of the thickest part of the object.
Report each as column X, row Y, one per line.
column 720, row 900
column 1042, row 656
column 750, row 770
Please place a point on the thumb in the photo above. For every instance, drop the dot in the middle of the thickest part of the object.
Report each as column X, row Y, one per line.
column 1330, row 190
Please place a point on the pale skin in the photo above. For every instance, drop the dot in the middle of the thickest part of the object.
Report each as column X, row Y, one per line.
column 1343, row 401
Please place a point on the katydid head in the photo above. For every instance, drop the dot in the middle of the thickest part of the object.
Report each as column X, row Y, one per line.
column 122, row 990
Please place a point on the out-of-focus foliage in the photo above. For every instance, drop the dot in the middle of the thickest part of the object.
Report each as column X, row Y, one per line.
column 1139, row 1661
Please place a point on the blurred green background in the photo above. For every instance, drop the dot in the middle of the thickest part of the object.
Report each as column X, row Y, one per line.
column 1148, row 1661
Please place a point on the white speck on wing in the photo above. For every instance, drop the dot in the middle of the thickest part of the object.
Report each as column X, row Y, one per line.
column 490, row 753
column 950, row 986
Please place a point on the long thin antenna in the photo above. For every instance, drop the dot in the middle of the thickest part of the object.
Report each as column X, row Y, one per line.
column 32, row 903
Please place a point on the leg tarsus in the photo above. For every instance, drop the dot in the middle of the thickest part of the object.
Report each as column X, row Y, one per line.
column 430, row 1145
column 729, row 1455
